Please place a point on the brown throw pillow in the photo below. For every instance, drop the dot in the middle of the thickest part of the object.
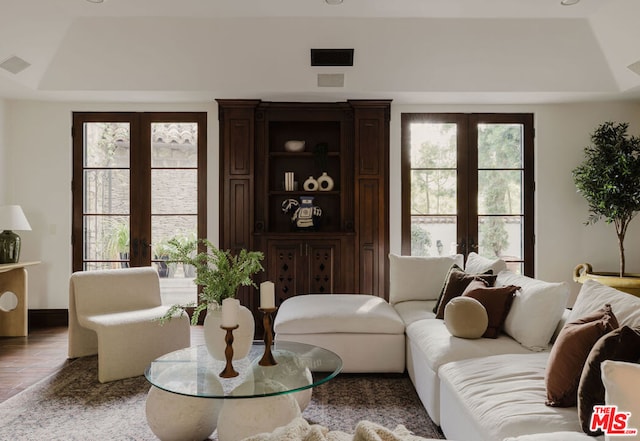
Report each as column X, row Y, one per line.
column 569, row 354
column 456, row 282
column 497, row 301
column 622, row 344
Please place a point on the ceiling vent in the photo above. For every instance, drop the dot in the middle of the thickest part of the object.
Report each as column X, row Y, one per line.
column 332, row 57
column 330, row 80
column 635, row 67
column 14, row 64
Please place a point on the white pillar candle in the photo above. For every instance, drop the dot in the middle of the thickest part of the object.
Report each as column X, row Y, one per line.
column 267, row 295
column 230, row 309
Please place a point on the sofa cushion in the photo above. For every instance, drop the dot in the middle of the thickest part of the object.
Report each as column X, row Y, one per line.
column 465, row 317
column 337, row 313
column 621, row 344
column 414, row 310
column 496, row 300
column 438, row 346
column 622, row 385
column 593, row 295
column 553, row 436
column 570, row 352
column 455, row 284
column 477, row 264
column 417, row 278
column 536, row 309
column 501, row 396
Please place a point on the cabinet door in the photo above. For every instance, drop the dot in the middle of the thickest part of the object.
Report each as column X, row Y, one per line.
column 321, row 268
column 372, row 196
column 284, row 267
column 303, row 267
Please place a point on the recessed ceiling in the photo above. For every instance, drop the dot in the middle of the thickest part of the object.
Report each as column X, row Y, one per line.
column 417, row 50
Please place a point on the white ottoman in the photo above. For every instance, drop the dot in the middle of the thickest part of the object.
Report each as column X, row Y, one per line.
column 364, row 330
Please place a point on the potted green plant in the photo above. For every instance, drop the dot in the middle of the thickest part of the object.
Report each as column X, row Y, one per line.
column 118, row 242
column 161, row 252
column 190, row 241
column 609, row 179
column 220, row 273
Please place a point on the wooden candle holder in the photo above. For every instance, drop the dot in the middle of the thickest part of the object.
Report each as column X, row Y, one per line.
column 267, row 358
column 229, row 371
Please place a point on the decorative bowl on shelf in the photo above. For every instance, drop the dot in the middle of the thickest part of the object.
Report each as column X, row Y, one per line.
column 294, row 145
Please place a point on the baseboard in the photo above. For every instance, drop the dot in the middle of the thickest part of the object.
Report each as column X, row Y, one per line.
column 48, row 318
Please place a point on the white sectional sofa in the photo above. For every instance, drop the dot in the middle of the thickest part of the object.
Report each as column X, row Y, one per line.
column 481, row 389
column 494, row 389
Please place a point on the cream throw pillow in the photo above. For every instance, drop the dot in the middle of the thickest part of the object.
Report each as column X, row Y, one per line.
column 593, row 295
column 622, row 385
column 536, row 309
column 417, row 278
column 465, row 317
column 476, row 264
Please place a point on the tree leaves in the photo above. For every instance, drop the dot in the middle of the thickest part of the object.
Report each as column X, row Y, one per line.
column 609, row 178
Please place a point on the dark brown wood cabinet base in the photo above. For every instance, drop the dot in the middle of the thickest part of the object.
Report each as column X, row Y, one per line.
column 319, row 236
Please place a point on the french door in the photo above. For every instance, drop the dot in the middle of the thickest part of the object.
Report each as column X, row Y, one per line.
column 139, row 180
column 467, row 186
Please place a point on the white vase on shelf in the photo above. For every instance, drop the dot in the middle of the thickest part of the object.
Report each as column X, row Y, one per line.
column 325, row 182
column 310, row 184
column 214, row 335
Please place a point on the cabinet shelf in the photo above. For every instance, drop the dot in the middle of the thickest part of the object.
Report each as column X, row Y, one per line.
column 310, row 155
column 304, row 193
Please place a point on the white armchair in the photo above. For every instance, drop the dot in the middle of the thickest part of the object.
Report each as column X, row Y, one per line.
column 113, row 313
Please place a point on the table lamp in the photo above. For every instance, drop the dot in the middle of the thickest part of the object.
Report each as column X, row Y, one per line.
column 11, row 218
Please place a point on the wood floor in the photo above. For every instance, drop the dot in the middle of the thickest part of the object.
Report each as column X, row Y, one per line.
column 26, row 360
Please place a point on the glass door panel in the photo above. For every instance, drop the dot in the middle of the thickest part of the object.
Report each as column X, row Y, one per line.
column 501, row 192
column 174, row 203
column 433, row 186
column 106, row 206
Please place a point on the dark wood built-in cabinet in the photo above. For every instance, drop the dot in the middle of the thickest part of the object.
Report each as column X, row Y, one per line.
column 345, row 251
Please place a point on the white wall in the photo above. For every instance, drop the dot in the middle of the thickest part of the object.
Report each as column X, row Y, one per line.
column 38, row 139
column 3, row 154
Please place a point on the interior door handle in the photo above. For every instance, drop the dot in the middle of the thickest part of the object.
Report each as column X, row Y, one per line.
column 145, row 247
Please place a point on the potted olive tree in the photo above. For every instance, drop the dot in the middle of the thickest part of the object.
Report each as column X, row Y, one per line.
column 609, row 179
column 220, row 273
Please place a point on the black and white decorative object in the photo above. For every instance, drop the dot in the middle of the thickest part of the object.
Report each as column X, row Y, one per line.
column 304, row 215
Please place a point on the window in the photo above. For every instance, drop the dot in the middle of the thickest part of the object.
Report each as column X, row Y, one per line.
column 467, row 186
column 139, row 180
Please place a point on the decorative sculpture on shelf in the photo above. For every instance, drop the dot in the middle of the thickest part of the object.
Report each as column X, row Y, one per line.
column 305, row 215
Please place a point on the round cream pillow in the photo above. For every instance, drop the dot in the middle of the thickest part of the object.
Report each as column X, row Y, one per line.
column 465, row 317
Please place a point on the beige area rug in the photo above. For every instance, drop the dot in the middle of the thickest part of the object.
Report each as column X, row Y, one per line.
column 73, row 405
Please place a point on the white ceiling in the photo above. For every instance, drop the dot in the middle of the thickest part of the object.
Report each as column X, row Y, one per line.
column 420, row 51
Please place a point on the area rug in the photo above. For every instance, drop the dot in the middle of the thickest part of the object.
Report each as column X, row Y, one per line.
column 72, row 405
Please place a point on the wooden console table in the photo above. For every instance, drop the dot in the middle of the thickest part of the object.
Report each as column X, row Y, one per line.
column 13, row 279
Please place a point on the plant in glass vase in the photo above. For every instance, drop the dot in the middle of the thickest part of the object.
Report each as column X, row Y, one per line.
column 220, row 273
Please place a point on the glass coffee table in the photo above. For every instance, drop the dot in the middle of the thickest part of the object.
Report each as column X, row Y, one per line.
column 189, row 400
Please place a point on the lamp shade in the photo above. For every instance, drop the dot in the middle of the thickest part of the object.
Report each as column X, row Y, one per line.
column 12, row 218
